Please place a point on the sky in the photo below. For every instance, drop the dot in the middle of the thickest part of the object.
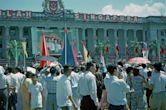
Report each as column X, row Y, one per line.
column 140, row 8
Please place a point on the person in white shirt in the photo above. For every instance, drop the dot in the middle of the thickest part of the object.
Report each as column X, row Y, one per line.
column 12, row 81
column 157, row 84
column 3, row 89
column 64, row 90
column 116, row 89
column 36, row 97
column 87, row 88
column 74, row 78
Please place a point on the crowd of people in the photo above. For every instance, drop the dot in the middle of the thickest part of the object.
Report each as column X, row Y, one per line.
column 86, row 87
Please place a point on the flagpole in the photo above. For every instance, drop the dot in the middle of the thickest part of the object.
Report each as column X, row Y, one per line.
column 158, row 47
column 65, row 31
column 65, row 46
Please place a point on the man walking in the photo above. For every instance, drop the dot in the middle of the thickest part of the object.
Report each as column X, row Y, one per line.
column 87, row 88
column 64, row 90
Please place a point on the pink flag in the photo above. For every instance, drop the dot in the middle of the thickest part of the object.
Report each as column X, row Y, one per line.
column 75, row 56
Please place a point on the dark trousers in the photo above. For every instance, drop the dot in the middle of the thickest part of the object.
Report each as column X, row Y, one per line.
column 12, row 101
column 3, row 99
column 116, row 107
column 87, row 103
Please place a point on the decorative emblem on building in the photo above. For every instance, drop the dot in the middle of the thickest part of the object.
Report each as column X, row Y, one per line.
column 52, row 6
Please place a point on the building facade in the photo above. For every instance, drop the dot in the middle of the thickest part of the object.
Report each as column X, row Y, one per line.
column 99, row 32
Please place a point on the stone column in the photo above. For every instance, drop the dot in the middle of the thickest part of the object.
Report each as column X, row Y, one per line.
column 6, row 41
column 126, row 43
column 94, row 37
column 135, row 34
column 105, row 32
column 83, row 34
column 115, row 35
column 20, row 33
column 125, row 36
column 143, row 33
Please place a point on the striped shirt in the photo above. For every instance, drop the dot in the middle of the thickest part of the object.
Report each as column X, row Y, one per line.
column 51, row 84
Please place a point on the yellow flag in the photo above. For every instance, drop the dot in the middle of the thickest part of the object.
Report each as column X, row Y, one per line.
column 25, row 48
column 86, row 55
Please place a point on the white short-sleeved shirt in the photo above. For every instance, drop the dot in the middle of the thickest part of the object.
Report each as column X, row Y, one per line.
column 63, row 91
column 36, row 96
column 116, row 90
column 19, row 77
column 158, row 80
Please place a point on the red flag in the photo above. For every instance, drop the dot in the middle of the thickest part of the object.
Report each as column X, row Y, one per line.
column 136, row 50
column 75, row 56
column 44, row 50
column 107, row 49
column 65, row 29
column 162, row 50
column 117, row 49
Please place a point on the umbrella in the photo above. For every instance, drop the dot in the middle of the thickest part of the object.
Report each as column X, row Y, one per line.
column 46, row 58
column 138, row 60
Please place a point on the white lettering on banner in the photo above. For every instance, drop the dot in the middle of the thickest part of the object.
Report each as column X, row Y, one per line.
column 122, row 18
column 84, row 17
column 107, row 17
column 15, row 14
column 28, row 14
column 18, row 13
column 135, row 19
column 93, row 17
column 76, row 15
column 87, row 17
column 128, row 19
column 100, row 17
column 9, row 13
column 114, row 18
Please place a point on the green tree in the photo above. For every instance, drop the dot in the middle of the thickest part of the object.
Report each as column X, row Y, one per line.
column 135, row 46
column 153, row 48
column 15, row 50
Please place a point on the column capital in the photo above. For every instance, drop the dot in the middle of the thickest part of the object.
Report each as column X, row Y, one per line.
column 20, row 27
column 7, row 26
column 135, row 30
column 46, row 27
